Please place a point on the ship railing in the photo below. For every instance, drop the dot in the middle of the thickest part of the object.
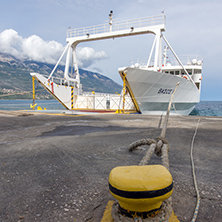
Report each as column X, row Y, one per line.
column 171, row 60
column 100, row 101
column 62, row 81
column 186, row 60
column 117, row 26
column 99, row 94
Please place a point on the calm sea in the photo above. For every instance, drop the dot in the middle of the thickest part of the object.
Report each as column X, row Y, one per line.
column 204, row 108
column 208, row 108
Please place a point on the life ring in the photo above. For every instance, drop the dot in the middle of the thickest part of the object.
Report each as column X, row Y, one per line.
column 184, row 77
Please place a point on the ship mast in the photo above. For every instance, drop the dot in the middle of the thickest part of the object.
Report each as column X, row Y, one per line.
column 148, row 25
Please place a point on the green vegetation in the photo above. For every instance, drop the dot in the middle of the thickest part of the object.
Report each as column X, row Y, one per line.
column 15, row 78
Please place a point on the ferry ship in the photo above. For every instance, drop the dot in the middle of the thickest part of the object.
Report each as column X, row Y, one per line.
column 150, row 88
column 146, row 88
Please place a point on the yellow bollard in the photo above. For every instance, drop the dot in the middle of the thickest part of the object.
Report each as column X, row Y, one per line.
column 141, row 189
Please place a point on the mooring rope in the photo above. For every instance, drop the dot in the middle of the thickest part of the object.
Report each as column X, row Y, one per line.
column 159, row 146
column 150, row 151
column 162, row 216
column 148, row 155
column 193, row 168
column 194, row 175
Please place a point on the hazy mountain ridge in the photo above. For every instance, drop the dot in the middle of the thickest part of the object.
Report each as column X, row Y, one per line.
column 15, row 78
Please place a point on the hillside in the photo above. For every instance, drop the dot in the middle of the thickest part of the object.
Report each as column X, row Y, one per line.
column 15, row 78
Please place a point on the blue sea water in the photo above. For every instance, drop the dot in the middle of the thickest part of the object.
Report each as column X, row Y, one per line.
column 208, row 108
column 25, row 104
column 204, row 108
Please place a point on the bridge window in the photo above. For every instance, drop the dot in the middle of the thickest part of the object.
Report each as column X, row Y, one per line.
column 189, row 71
column 197, row 71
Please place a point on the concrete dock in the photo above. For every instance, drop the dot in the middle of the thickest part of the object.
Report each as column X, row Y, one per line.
column 56, row 167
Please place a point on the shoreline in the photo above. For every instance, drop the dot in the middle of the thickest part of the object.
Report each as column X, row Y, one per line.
column 204, row 108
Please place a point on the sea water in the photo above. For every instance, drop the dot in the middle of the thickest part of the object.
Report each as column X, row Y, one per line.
column 25, row 104
column 204, row 108
column 208, row 108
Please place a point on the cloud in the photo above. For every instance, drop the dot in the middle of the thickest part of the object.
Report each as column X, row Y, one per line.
column 36, row 49
column 31, row 48
column 86, row 56
column 11, row 42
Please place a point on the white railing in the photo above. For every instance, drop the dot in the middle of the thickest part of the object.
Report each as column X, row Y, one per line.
column 102, row 101
column 62, row 81
column 185, row 59
column 117, row 26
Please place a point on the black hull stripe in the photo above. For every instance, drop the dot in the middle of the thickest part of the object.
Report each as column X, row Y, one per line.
column 140, row 194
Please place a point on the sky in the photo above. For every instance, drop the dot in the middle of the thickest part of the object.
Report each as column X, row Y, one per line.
column 36, row 30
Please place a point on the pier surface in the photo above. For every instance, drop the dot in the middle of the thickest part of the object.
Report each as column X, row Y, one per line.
column 56, row 167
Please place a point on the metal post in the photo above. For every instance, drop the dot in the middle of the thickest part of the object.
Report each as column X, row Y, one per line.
column 75, row 64
column 72, row 97
column 124, row 90
column 33, row 93
column 66, row 72
column 157, row 51
column 178, row 59
column 58, row 61
column 151, row 52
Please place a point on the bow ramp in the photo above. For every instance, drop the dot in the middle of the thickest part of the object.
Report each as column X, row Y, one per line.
column 68, row 89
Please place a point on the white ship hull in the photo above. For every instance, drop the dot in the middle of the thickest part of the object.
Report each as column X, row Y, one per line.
column 151, row 91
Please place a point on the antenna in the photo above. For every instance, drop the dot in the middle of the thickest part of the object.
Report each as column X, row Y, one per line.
column 110, row 20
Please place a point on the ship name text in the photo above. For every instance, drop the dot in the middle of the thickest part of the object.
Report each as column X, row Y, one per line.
column 165, row 91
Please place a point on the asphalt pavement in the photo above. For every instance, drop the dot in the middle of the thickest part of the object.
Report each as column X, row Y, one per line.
column 56, row 167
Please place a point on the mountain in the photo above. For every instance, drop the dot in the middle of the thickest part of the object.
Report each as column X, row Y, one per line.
column 15, row 78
